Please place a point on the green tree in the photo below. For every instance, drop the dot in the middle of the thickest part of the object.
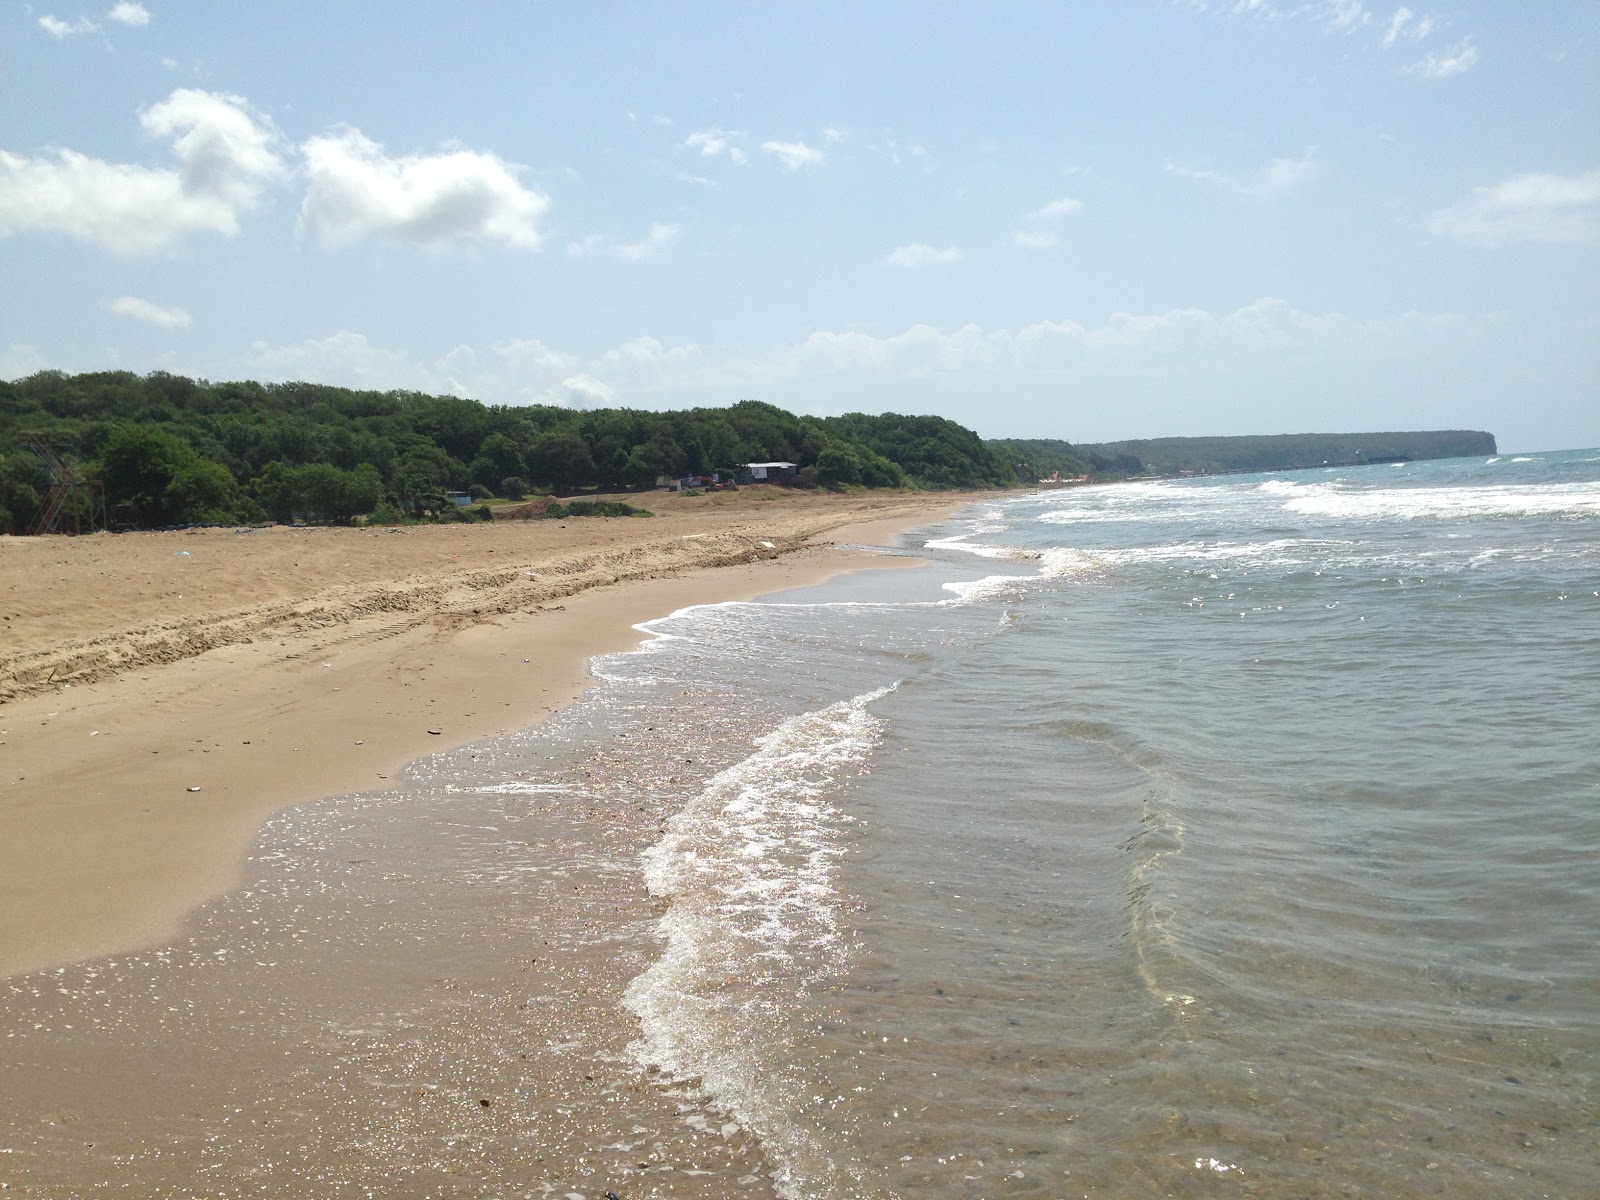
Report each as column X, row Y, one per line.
column 277, row 491
column 503, row 455
column 204, row 492
column 23, row 479
column 837, row 467
column 156, row 478
column 561, row 458
column 417, row 488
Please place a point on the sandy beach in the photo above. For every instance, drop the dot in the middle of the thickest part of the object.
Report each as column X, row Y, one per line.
column 161, row 694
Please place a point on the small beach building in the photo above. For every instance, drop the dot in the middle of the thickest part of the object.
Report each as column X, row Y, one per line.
column 771, row 472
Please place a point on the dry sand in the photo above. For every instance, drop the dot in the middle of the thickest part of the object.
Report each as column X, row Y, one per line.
column 161, row 694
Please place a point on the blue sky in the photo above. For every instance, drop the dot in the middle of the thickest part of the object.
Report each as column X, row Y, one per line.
column 1075, row 220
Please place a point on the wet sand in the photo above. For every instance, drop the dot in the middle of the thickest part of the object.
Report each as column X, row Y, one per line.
column 162, row 694
column 301, row 979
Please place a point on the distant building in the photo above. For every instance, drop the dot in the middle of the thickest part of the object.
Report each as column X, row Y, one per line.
column 459, row 499
column 771, row 472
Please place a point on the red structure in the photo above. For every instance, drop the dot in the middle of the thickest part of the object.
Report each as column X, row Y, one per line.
column 71, row 503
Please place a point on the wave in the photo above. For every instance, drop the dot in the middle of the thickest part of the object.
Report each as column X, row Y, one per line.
column 961, row 543
column 752, row 929
column 515, row 787
column 1106, row 516
column 1322, row 500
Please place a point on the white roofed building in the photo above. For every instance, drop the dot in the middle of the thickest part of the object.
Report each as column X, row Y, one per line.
column 765, row 472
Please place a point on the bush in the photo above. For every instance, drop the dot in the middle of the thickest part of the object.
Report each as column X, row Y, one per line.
column 386, row 513
column 596, row 508
column 478, row 492
column 513, row 487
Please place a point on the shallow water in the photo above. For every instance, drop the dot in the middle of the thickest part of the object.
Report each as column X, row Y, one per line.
column 1233, row 833
column 1220, row 835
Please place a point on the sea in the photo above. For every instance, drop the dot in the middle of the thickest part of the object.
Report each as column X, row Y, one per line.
column 1223, row 836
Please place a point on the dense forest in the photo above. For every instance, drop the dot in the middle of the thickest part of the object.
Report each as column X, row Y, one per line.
column 171, row 450
column 1039, row 458
column 1288, row 451
column 168, row 450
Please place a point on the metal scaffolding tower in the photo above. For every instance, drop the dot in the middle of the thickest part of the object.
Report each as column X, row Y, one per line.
column 72, row 504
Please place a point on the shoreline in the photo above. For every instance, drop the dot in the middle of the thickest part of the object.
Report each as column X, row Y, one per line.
column 131, row 800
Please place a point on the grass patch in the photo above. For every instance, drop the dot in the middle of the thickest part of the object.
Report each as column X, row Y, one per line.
column 596, row 508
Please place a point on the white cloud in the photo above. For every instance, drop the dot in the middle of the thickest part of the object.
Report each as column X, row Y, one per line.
column 149, row 312
column 1401, row 26
column 919, row 255
column 585, row 391
column 794, row 155
column 1337, row 17
column 1561, row 210
column 1174, row 339
column 1036, row 233
column 714, row 142
column 833, row 136
column 1396, row 24
column 356, row 190
column 1334, row 16
column 660, row 237
column 647, row 362
column 898, row 154
column 19, row 360
column 1034, row 239
column 228, row 157
column 1341, row 16
column 226, row 151
column 1442, row 66
column 123, row 13
column 920, row 352
column 1260, row 347
column 530, row 354
column 127, row 13
column 1280, row 176
column 57, row 28
column 350, row 359
column 346, row 359
column 1055, row 210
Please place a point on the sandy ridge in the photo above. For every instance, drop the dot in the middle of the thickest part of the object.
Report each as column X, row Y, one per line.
column 449, row 602
column 450, row 599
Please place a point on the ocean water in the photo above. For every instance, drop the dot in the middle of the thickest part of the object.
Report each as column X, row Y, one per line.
column 1230, row 836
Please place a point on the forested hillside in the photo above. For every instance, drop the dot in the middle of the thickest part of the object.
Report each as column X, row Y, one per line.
column 1038, row 458
column 172, row 450
column 1287, row 451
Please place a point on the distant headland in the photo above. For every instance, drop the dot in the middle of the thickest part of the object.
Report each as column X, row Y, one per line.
column 1253, row 452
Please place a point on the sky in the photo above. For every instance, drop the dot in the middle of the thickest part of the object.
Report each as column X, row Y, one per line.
column 1088, row 221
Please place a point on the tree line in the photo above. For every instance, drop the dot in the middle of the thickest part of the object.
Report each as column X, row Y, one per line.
column 171, row 450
